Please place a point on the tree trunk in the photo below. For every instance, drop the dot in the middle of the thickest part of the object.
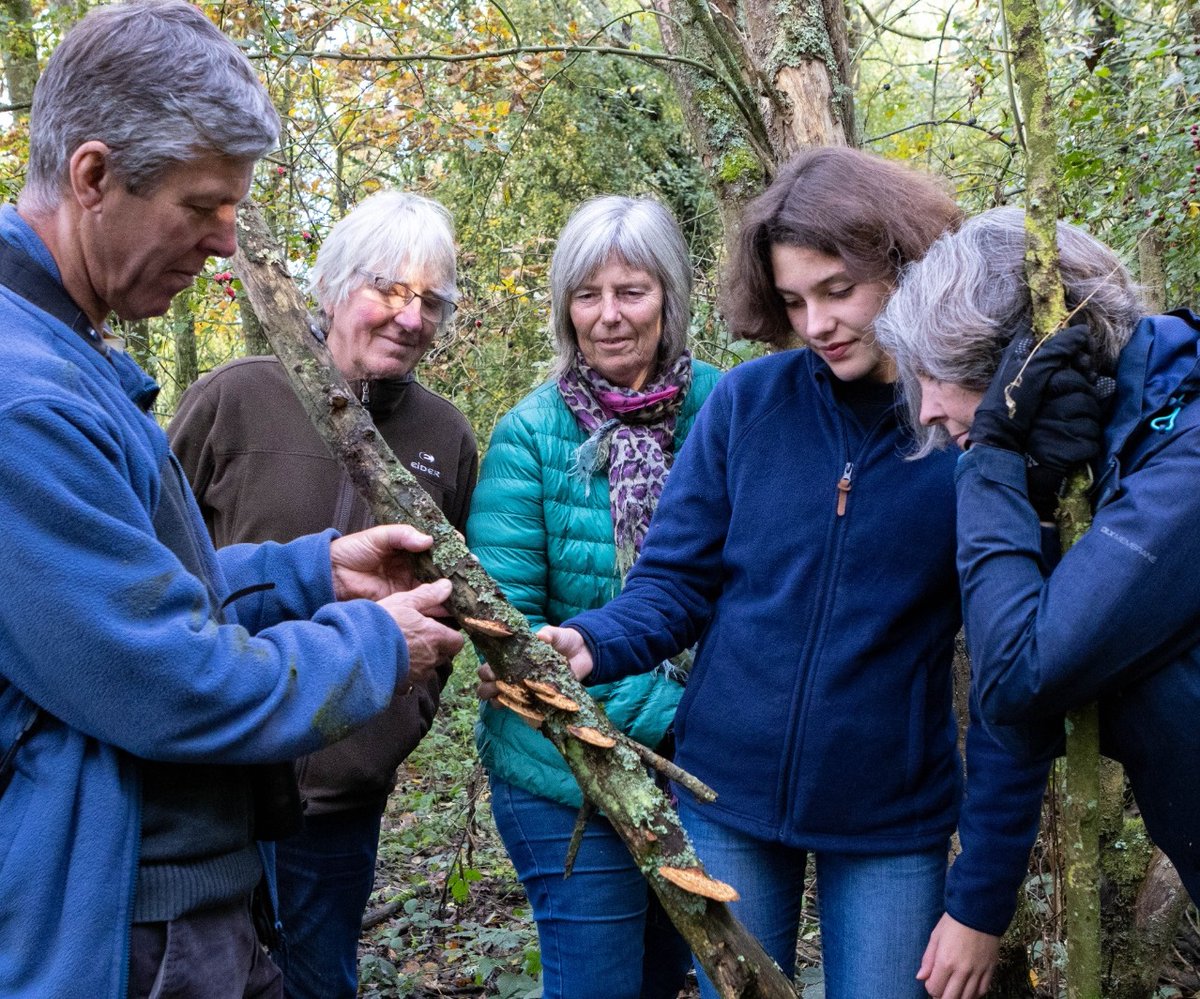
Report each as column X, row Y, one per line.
column 610, row 768
column 785, row 86
column 136, row 334
column 1081, row 774
column 1143, row 900
column 724, row 120
column 19, row 49
column 1150, row 267
column 254, row 340
column 803, row 50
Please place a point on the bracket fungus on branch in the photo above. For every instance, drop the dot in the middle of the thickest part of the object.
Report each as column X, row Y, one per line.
column 592, row 736
column 694, row 879
column 550, row 695
column 615, row 780
column 474, row 626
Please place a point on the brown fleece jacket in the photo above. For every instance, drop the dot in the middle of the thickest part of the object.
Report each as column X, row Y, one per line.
column 261, row 472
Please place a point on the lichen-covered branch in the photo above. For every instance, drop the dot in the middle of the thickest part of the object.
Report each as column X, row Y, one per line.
column 537, row 682
column 1081, row 795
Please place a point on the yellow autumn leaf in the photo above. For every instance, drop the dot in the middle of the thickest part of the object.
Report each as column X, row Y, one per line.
column 502, row 107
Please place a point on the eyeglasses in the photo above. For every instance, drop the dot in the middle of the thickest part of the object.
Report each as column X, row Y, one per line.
column 398, row 295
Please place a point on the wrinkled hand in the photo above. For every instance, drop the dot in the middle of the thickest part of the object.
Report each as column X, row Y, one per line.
column 1006, row 412
column 567, row 642
column 376, row 562
column 430, row 643
column 959, row 961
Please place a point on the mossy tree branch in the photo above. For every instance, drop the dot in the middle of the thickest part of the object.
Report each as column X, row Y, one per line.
column 537, row 682
column 1081, row 800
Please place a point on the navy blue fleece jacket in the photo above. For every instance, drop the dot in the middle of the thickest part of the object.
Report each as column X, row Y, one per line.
column 819, row 707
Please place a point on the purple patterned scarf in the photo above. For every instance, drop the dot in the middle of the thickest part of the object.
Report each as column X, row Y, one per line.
column 633, row 435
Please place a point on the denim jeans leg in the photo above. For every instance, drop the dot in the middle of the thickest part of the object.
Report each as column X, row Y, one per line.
column 325, row 875
column 592, row 925
column 768, row 877
column 666, row 956
column 876, row 916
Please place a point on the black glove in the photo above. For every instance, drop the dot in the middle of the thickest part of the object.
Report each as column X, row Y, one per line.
column 1006, row 412
column 1066, row 432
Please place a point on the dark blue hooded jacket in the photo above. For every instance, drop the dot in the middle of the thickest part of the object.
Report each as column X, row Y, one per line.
column 819, row 707
column 1118, row 619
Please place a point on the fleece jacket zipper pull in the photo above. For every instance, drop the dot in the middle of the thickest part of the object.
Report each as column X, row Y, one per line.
column 843, row 488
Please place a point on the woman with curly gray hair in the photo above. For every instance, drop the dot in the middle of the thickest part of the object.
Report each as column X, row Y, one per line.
column 1115, row 620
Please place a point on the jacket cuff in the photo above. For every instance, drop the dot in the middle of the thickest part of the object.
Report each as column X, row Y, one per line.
column 994, row 465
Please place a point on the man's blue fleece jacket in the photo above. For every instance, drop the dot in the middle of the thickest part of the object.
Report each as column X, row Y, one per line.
column 103, row 629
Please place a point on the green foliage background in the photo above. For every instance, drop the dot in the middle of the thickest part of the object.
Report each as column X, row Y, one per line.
column 510, row 115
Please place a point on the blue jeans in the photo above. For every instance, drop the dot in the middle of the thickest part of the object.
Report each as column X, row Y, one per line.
column 602, row 932
column 876, row 911
column 325, row 874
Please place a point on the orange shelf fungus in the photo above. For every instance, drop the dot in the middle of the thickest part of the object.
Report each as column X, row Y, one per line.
column 694, row 880
column 480, row 626
column 549, row 694
column 592, row 736
column 521, row 709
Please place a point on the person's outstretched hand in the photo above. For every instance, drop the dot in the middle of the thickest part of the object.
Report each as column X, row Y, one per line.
column 567, row 642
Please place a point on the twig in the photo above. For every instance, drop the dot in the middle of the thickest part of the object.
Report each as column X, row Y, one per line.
column 700, row 791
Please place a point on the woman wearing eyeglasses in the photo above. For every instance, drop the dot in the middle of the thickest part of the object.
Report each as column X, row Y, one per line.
column 565, row 495
column 384, row 280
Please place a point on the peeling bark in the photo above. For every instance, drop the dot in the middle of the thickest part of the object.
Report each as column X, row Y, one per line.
column 810, row 96
column 730, row 136
column 803, row 49
column 786, row 68
column 612, row 777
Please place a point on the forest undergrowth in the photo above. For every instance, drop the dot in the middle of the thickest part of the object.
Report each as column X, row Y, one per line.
column 449, row 918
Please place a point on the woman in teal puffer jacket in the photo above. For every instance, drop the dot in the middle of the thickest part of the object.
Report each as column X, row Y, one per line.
column 565, row 494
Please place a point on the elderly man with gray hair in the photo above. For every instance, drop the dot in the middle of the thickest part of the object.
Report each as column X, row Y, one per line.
column 1118, row 618
column 151, row 687
column 384, row 281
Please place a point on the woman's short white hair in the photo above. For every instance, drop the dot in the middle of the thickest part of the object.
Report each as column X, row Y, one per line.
column 642, row 234
column 393, row 233
column 957, row 308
